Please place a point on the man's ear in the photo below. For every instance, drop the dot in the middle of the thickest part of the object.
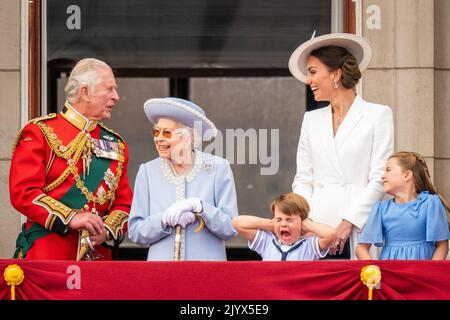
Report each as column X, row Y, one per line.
column 84, row 93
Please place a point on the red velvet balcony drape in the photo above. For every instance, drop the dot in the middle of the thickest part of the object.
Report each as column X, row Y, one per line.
column 195, row 280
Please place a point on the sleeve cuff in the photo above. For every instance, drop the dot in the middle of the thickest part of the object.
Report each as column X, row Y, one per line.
column 319, row 253
column 59, row 213
column 115, row 222
column 59, row 227
column 254, row 244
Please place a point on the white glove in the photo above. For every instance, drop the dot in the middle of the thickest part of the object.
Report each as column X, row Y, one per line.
column 169, row 215
column 186, row 218
column 172, row 214
column 195, row 204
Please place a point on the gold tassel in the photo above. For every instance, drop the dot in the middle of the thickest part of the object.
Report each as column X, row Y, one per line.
column 13, row 276
column 371, row 277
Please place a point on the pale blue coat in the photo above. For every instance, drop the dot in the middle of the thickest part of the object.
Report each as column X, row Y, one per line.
column 157, row 187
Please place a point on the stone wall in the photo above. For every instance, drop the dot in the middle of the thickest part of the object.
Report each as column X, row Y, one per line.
column 410, row 71
column 10, row 117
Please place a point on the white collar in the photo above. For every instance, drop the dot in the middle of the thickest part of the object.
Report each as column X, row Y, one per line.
column 286, row 247
column 174, row 178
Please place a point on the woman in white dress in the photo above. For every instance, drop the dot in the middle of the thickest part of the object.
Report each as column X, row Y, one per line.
column 343, row 147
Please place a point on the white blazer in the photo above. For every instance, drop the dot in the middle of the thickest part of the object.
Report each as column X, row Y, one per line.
column 340, row 176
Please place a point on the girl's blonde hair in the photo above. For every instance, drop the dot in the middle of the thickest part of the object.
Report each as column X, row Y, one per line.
column 291, row 204
column 422, row 180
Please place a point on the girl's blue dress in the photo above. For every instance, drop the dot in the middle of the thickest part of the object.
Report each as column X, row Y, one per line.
column 407, row 231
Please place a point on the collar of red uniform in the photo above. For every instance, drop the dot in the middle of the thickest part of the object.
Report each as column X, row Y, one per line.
column 77, row 119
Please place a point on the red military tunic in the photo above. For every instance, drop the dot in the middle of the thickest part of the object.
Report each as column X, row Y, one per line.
column 47, row 182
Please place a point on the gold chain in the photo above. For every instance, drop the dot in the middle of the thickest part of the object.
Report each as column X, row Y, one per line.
column 56, row 144
column 76, row 148
column 67, row 171
column 89, row 195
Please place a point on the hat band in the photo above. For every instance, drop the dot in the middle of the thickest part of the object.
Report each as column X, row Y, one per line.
column 186, row 108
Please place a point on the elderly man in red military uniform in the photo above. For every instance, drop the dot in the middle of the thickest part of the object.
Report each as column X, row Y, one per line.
column 68, row 174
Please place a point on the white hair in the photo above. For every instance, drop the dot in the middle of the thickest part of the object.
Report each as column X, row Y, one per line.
column 85, row 72
column 194, row 137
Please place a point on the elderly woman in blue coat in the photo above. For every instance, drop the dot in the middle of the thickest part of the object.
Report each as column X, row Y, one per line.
column 184, row 200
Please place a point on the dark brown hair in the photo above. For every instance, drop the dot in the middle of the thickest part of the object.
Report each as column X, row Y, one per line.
column 422, row 181
column 291, row 204
column 334, row 57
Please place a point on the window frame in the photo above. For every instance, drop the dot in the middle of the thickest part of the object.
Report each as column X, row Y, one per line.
column 39, row 89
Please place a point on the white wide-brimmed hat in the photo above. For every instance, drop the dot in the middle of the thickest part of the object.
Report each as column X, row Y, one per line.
column 358, row 46
column 181, row 110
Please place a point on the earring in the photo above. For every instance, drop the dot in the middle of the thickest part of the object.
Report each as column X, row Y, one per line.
column 335, row 85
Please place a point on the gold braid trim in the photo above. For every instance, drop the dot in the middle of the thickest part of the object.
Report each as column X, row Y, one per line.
column 50, row 221
column 54, row 208
column 75, row 149
column 50, row 162
column 39, row 119
column 56, row 144
column 35, row 121
column 114, row 222
column 16, row 141
column 65, row 173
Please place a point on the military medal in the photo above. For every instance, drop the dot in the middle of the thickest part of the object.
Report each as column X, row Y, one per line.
column 106, row 149
column 110, row 180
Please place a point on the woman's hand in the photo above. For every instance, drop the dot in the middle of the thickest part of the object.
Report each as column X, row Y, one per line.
column 172, row 214
column 186, row 217
column 343, row 231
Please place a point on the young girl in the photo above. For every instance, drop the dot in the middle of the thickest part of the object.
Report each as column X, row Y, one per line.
column 280, row 238
column 413, row 225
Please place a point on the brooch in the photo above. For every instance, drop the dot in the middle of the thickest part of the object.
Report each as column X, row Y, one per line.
column 208, row 166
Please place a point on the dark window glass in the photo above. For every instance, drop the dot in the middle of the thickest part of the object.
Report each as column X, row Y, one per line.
column 230, row 57
column 183, row 34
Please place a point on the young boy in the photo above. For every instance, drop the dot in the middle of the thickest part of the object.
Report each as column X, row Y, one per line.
column 280, row 238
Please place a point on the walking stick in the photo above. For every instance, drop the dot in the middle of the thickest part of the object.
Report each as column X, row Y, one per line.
column 177, row 243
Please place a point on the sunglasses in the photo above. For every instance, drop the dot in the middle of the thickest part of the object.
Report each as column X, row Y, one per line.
column 165, row 133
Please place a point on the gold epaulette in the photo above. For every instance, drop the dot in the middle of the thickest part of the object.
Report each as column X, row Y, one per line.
column 110, row 130
column 46, row 117
column 34, row 121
